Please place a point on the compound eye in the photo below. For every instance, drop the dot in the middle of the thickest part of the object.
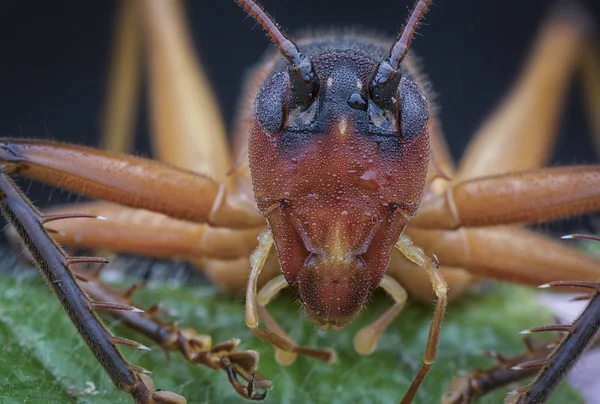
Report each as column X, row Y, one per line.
column 271, row 103
column 413, row 113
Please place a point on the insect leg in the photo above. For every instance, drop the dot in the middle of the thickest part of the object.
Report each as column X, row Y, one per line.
column 53, row 264
column 590, row 69
column 287, row 355
column 366, row 339
column 416, row 255
column 137, row 231
column 466, row 389
column 195, row 347
column 557, row 365
column 581, row 335
column 524, row 197
column 256, row 302
column 521, row 133
column 508, row 253
column 124, row 80
column 132, row 181
column 187, row 127
column 416, row 282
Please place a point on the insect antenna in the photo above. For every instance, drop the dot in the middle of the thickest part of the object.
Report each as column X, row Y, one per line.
column 386, row 77
column 302, row 71
column 400, row 48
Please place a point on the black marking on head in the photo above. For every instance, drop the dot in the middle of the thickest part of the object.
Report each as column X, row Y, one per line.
column 413, row 109
column 344, row 66
column 271, row 104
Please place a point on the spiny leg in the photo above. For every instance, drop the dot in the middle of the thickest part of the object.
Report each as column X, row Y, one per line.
column 416, row 255
column 273, row 335
column 365, row 341
column 54, row 264
column 195, row 347
column 580, row 336
column 142, row 237
column 138, row 182
column 466, row 389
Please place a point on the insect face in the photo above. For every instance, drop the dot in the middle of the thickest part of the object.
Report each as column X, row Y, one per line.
column 337, row 172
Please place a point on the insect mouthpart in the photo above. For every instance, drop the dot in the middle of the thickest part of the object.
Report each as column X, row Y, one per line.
column 333, row 290
column 334, row 268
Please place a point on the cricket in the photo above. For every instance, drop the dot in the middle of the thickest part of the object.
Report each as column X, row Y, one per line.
column 336, row 182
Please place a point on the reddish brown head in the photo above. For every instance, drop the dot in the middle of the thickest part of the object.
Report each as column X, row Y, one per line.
column 338, row 152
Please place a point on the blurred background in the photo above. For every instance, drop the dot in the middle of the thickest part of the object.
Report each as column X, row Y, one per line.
column 56, row 57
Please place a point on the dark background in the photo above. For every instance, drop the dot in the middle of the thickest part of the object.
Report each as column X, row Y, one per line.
column 55, row 57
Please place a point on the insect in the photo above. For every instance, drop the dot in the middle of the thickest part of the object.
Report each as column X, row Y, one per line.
column 384, row 108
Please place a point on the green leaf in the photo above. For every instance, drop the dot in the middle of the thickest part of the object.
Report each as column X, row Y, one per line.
column 44, row 361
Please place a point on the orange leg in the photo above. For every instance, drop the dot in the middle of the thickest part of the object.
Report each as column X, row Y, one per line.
column 520, row 135
column 546, row 194
column 497, row 181
column 136, row 231
column 509, row 254
column 501, row 180
column 220, row 252
column 124, row 80
column 187, row 129
column 130, row 181
column 591, row 85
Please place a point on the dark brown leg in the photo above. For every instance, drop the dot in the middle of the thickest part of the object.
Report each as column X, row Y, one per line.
column 466, row 389
column 580, row 335
column 54, row 263
column 195, row 347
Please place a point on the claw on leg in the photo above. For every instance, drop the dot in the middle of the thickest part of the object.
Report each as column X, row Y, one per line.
column 195, row 347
